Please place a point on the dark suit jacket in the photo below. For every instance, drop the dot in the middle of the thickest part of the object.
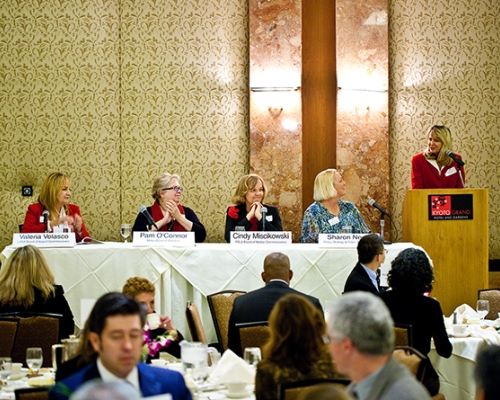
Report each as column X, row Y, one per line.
column 256, row 306
column 241, row 220
column 152, row 380
column 358, row 279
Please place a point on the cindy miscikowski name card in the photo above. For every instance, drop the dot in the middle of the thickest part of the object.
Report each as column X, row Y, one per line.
column 270, row 237
column 339, row 239
column 163, row 238
column 44, row 239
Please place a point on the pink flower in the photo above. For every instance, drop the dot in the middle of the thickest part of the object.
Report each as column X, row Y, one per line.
column 152, row 346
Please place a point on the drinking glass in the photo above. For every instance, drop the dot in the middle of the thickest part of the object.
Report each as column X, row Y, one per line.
column 252, row 356
column 34, row 359
column 125, row 231
column 199, row 373
column 5, row 369
column 482, row 308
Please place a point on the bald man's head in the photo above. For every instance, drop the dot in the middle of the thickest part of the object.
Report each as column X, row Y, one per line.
column 277, row 266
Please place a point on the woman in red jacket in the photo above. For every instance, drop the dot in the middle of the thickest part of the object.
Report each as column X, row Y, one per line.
column 54, row 198
column 433, row 169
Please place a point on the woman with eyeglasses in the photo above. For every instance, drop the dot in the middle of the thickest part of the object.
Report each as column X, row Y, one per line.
column 167, row 211
column 246, row 214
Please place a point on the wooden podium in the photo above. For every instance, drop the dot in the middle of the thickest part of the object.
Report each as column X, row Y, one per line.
column 457, row 247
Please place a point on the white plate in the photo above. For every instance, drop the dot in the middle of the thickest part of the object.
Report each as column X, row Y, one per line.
column 240, row 395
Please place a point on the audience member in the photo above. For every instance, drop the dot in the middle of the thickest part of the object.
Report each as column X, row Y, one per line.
column 115, row 332
column 54, row 199
column 167, row 211
column 144, row 292
column 328, row 214
column 256, row 306
column 296, row 350
column 99, row 390
column 486, row 373
column 366, row 273
column 247, row 213
column 361, row 335
column 27, row 284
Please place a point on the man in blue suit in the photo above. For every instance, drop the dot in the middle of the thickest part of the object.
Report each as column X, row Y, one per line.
column 115, row 333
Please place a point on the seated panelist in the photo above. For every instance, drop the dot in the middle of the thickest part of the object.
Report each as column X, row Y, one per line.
column 433, row 168
column 53, row 212
column 247, row 212
column 328, row 214
column 167, row 211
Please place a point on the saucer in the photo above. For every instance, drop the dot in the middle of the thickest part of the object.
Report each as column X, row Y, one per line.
column 15, row 377
column 236, row 395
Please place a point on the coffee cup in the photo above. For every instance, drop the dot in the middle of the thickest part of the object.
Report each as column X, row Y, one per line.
column 236, row 387
column 154, row 320
column 458, row 329
column 16, row 368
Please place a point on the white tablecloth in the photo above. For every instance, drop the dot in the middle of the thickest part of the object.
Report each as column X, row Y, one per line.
column 180, row 274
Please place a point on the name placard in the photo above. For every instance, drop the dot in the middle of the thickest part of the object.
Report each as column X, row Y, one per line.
column 163, row 238
column 44, row 239
column 339, row 239
column 267, row 237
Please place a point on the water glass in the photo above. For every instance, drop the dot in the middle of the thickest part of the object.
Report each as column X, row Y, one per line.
column 5, row 369
column 125, row 231
column 482, row 308
column 34, row 359
column 252, row 356
column 199, row 373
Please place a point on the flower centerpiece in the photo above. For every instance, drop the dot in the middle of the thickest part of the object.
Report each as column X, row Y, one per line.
column 151, row 346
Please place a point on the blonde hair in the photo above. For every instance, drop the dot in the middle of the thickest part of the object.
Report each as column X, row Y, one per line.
column 49, row 192
column 161, row 182
column 324, row 185
column 137, row 285
column 25, row 270
column 245, row 184
column 443, row 135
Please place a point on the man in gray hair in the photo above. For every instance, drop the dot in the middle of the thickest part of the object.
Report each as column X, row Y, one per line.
column 361, row 333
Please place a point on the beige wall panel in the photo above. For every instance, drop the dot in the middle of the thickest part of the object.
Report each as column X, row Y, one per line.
column 59, row 107
column 445, row 69
column 185, row 102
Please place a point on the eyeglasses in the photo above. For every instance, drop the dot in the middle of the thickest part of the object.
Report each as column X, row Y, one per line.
column 176, row 188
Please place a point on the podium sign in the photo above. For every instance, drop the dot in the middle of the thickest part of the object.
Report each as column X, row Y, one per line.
column 44, row 239
column 450, row 206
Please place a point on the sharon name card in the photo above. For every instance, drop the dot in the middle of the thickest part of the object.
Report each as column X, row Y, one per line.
column 339, row 239
column 268, row 237
column 44, row 239
column 163, row 238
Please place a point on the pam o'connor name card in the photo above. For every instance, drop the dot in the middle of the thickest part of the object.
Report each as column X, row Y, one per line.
column 66, row 239
column 267, row 237
column 339, row 239
column 185, row 239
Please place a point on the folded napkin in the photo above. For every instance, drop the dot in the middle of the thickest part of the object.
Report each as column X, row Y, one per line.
column 232, row 368
column 466, row 314
column 489, row 334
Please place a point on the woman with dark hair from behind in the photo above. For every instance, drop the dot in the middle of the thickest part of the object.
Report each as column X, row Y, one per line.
column 27, row 284
column 296, row 349
column 410, row 280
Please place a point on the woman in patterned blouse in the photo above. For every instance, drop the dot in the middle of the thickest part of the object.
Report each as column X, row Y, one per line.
column 328, row 214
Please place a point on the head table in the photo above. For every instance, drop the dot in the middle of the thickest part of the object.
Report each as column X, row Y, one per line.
column 179, row 274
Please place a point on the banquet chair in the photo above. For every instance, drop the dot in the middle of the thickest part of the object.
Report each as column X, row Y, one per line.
column 417, row 363
column 403, row 335
column 253, row 334
column 292, row 390
column 221, row 305
column 493, row 296
column 8, row 329
column 34, row 330
column 194, row 323
column 33, row 393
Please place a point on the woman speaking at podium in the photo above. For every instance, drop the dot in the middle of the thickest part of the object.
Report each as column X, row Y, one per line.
column 437, row 167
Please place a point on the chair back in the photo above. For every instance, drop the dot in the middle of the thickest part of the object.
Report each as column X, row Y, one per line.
column 403, row 335
column 34, row 330
column 294, row 390
column 493, row 296
column 221, row 305
column 34, row 393
column 194, row 323
column 253, row 334
column 8, row 329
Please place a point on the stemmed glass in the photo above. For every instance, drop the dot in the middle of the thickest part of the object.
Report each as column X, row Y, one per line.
column 34, row 359
column 5, row 369
column 125, row 231
column 482, row 308
column 252, row 356
column 199, row 373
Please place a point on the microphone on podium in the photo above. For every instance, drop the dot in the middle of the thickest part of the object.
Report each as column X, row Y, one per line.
column 150, row 219
column 374, row 204
column 45, row 215
column 455, row 158
column 263, row 210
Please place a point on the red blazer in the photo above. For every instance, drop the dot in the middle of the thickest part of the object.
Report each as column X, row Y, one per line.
column 425, row 176
column 32, row 222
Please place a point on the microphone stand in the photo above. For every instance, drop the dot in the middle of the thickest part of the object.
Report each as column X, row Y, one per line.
column 382, row 224
column 460, row 175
